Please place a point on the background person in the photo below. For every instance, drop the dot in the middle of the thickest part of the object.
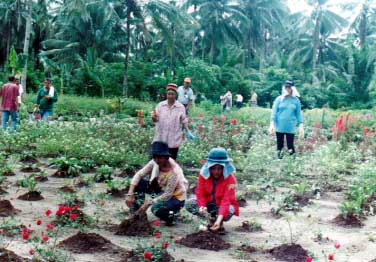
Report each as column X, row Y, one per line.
column 216, row 190
column 169, row 117
column 9, row 103
column 167, row 185
column 46, row 98
column 286, row 115
column 185, row 94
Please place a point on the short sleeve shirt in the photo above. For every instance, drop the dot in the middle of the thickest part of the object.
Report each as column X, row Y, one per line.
column 185, row 95
column 9, row 93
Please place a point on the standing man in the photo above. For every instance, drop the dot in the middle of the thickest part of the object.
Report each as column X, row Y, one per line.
column 169, row 117
column 9, row 106
column 239, row 101
column 185, row 94
column 46, row 98
column 20, row 98
column 254, row 99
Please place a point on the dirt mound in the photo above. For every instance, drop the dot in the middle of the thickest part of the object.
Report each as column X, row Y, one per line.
column 290, row 253
column 248, row 249
column 6, row 209
column 87, row 243
column 30, row 169
column 7, row 255
column 11, row 173
column 204, row 240
column 242, row 202
column 29, row 160
column 134, row 227
column 31, row 196
column 348, row 221
column 41, row 178
column 248, row 227
column 67, row 189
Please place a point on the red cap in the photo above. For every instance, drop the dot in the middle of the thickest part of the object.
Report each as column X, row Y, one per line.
column 171, row 87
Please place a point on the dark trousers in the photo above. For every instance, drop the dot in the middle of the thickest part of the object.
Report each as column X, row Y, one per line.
column 174, row 152
column 281, row 141
column 164, row 210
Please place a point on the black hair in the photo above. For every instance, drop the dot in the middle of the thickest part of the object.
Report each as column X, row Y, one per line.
column 11, row 78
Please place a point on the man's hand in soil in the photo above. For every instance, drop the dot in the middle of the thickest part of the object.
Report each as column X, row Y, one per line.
column 130, row 200
column 146, row 205
column 217, row 224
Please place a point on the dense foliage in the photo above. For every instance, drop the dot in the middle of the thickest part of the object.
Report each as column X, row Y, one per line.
column 133, row 48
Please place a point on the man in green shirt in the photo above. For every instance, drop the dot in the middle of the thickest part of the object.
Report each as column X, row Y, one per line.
column 46, row 98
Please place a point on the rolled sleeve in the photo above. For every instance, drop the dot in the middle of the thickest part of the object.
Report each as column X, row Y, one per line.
column 143, row 172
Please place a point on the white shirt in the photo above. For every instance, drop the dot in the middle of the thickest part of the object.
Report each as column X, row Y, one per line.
column 185, row 95
column 20, row 90
column 239, row 98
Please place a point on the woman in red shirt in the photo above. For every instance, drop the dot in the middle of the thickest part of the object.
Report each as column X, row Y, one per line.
column 216, row 189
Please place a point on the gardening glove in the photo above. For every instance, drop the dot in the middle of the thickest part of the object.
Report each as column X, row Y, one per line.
column 271, row 129
column 301, row 131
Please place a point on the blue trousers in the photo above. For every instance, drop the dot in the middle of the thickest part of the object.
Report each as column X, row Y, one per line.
column 5, row 118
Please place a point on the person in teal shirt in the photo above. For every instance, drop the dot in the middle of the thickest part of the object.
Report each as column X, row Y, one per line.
column 286, row 115
column 46, row 98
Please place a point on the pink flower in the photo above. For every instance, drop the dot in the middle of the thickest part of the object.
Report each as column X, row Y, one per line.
column 233, row 121
column 73, row 216
column 148, row 255
column 165, row 245
column 45, row 239
column 39, row 222
column 157, row 223
column 337, row 245
column 50, row 226
column 31, row 252
column 48, row 212
column 157, row 235
column 309, row 259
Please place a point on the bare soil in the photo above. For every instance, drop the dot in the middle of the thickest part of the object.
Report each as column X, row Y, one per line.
column 204, row 240
column 348, row 221
column 31, row 196
column 67, row 189
column 134, row 227
column 30, row 169
column 87, row 243
column 9, row 174
column 29, row 160
column 10, row 256
column 290, row 253
column 7, row 209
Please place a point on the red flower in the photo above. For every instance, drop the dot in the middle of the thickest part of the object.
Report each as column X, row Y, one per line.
column 202, row 162
column 308, row 259
column 148, row 255
column 157, row 235
column 73, row 216
column 59, row 213
column 331, row 257
column 75, row 207
column 45, row 239
column 165, row 245
column 337, row 245
column 67, row 209
column 157, row 223
column 50, row 226
column 31, row 252
column 233, row 121
column 39, row 222
column 201, row 115
column 25, row 236
column 48, row 212
column 215, row 120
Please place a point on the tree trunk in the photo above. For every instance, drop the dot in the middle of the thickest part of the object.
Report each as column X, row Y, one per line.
column 316, row 42
column 26, row 43
column 212, row 48
column 173, row 51
column 363, row 26
column 127, row 47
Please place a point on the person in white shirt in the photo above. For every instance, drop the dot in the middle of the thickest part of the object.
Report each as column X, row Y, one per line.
column 239, row 101
column 21, row 91
column 185, row 94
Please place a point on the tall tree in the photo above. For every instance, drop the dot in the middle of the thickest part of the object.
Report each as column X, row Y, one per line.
column 27, row 42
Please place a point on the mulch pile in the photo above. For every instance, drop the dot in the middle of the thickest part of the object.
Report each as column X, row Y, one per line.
column 88, row 243
column 67, row 189
column 348, row 221
column 290, row 253
column 11, row 173
column 134, row 227
column 30, row 169
column 6, row 209
column 31, row 196
column 7, row 255
column 204, row 240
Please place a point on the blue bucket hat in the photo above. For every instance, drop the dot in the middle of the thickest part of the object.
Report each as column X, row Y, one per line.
column 218, row 156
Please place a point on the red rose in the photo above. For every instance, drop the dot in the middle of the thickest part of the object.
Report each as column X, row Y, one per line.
column 48, row 212
column 165, row 245
column 331, row 257
column 75, row 207
column 73, row 216
column 25, row 236
column 31, row 252
column 157, row 223
column 337, row 245
column 308, row 259
column 50, row 226
column 67, row 209
column 59, row 213
column 39, row 222
column 148, row 255
column 157, row 235
column 45, row 239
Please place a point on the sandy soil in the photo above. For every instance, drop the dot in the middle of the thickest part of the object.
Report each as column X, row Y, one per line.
column 356, row 243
